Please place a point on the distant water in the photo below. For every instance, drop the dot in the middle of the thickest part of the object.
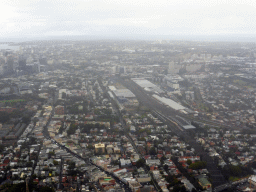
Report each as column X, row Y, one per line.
column 7, row 46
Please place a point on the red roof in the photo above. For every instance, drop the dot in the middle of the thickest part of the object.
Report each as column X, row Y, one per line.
column 146, row 156
column 64, row 179
column 6, row 161
column 117, row 170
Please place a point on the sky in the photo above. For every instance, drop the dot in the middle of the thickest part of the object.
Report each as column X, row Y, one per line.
column 43, row 18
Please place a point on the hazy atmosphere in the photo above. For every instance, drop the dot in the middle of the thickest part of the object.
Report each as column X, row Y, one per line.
column 127, row 96
column 119, row 18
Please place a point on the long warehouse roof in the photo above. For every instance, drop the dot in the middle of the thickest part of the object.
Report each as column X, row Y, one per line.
column 124, row 93
column 169, row 102
column 147, row 85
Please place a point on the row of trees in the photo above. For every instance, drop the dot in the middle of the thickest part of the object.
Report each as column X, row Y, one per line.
column 197, row 165
column 84, row 128
column 6, row 117
column 236, row 171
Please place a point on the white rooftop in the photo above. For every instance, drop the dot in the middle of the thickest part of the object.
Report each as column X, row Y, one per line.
column 143, row 82
column 147, row 85
column 112, row 88
column 189, row 127
column 123, row 93
column 169, row 102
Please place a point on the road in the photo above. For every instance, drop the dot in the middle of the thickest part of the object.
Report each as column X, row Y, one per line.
column 46, row 135
column 145, row 168
column 91, row 163
column 132, row 142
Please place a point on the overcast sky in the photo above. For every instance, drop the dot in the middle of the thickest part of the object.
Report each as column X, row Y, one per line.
column 36, row 18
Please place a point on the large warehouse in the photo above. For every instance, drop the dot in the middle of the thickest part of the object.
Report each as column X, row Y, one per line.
column 169, row 102
column 123, row 93
column 147, row 85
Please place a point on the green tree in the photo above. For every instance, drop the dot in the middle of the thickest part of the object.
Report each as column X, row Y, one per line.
column 4, row 117
column 46, row 189
column 166, row 167
column 142, row 139
column 152, row 151
column 253, row 164
column 50, row 154
column 1, row 148
column 170, row 178
column 71, row 165
column 235, row 170
column 55, row 162
column 90, row 146
column 33, row 176
column 189, row 162
column 178, row 188
column 163, row 158
column 29, row 164
column 198, row 165
column 32, row 140
column 26, row 119
column 140, row 163
column 72, row 129
column 15, row 187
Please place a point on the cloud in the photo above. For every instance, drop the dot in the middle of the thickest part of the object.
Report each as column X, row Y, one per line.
column 163, row 17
